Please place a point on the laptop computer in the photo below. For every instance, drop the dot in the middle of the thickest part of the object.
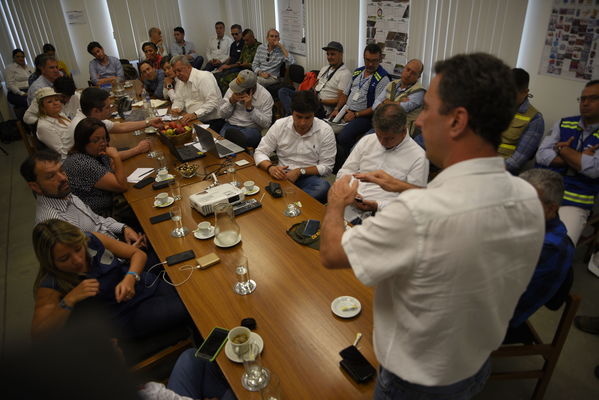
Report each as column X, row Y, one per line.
column 220, row 148
column 183, row 153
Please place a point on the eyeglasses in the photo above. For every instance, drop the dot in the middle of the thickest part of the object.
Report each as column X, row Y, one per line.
column 582, row 99
column 530, row 95
column 236, row 34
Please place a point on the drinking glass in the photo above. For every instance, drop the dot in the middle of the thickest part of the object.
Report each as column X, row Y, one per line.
column 152, row 152
column 177, row 216
column 256, row 376
column 161, row 159
column 231, row 173
column 244, row 284
column 175, row 189
column 272, row 391
column 291, row 210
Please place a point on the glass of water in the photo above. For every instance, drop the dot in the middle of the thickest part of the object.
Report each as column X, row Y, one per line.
column 291, row 209
column 231, row 173
column 177, row 216
column 175, row 189
column 256, row 376
column 161, row 160
column 273, row 390
column 244, row 284
column 152, row 152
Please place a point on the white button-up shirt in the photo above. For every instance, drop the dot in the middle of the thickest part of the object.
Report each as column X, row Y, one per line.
column 17, row 78
column 259, row 118
column 219, row 52
column 55, row 134
column 449, row 264
column 200, row 95
column 406, row 161
column 317, row 147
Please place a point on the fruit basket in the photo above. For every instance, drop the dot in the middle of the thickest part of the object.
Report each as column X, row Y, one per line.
column 176, row 132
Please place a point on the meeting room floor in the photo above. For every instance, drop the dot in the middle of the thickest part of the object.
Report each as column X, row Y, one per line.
column 573, row 377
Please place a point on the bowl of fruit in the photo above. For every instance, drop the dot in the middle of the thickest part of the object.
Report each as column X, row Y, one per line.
column 176, row 132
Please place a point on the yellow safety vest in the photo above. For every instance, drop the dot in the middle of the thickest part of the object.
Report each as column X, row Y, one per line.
column 511, row 136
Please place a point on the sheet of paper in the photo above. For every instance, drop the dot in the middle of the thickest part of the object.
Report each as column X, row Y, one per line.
column 136, row 175
column 161, row 112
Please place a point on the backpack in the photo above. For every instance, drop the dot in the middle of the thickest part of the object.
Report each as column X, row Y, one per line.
column 309, row 81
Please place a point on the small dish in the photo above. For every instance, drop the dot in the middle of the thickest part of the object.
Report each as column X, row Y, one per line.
column 346, row 307
column 202, row 236
column 169, row 201
column 231, row 355
column 251, row 192
column 168, row 176
column 150, row 129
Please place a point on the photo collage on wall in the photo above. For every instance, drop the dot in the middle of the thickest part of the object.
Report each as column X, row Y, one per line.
column 387, row 25
column 570, row 49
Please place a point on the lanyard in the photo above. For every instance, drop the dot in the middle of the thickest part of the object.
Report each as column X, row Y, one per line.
column 363, row 81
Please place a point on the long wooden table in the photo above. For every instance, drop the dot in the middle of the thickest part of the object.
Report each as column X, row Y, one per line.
column 292, row 301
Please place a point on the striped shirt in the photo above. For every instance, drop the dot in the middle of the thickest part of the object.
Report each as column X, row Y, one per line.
column 71, row 209
column 270, row 61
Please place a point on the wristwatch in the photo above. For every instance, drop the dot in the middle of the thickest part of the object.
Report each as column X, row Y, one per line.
column 64, row 305
column 135, row 274
column 169, row 86
column 147, row 121
column 303, row 171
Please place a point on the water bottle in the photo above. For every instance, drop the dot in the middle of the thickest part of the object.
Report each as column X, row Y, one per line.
column 147, row 104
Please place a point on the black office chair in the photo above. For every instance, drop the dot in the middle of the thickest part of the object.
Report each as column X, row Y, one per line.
column 296, row 73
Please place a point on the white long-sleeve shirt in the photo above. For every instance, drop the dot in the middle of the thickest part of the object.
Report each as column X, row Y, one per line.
column 259, row 118
column 55, row 134
column 221, row 52
column 70, row 109
column 317, row 147
column 199, row 95
column 17, row 78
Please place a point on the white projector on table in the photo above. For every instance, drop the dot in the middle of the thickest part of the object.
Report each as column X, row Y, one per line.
column 225, row 193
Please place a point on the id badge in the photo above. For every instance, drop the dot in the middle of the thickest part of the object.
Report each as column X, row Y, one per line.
column 356, row 96
column 319, row 86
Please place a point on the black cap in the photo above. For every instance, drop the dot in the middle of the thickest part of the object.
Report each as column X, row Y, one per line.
column 334, row 46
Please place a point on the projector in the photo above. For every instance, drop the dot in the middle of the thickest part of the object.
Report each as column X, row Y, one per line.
column 225, row 193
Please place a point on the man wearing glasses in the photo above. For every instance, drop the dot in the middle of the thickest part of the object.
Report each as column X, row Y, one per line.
column 218, row 48
column 232, row 63
column 570, row 150
column 521, row 140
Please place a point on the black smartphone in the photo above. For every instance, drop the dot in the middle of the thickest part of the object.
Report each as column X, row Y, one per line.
column 213, row 344
column 356, row 365
column 144, row 182
column 160, row 217
column 180, row 257
column 312, row 226
column 161, row 184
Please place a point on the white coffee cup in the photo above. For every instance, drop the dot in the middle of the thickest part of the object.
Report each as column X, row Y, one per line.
column 204, row 227
column 249, row 186
column 162, row 174
column 239, row 337
column 162, row 198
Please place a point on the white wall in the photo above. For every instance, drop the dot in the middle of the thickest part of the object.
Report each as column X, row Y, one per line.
column 198, row 18
column 98, row 28
column 554, row 97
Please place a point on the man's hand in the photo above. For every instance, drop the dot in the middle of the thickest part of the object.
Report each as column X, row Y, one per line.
column 264, row 74
column 349, row 116
column 156, row 122
column 87, row 288
column 188, row 117
column 342, row 193
column 247, row 100
column 278, row 171
column 175, row 111
column 125, row 290
column 384, row 180
column 143, row 147
column 293, row 174
column 235, row 97
column 365, row 205
column 567, row 143
column 590, row 151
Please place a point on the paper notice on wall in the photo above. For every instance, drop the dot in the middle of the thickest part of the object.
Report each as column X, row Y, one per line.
column 76, row 17
column 292, row 25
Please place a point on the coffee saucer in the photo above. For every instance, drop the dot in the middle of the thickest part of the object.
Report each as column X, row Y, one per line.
column 169, row 201
column 208, row 235
column 252, row 192
column 346, row 307
column 231, row 355
column 168, row 176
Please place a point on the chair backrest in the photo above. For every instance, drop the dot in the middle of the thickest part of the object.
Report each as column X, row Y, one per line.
column 28, row 139
column 296, row 73
column 549, row 351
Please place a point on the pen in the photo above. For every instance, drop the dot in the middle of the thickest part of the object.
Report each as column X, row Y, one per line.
column 146, row 173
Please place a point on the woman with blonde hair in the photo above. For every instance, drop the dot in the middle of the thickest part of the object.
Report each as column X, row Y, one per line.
column 86, row 269
column 53, row 124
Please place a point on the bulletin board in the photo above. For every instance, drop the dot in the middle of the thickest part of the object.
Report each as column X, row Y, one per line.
column 570, row 49
column 387, row 24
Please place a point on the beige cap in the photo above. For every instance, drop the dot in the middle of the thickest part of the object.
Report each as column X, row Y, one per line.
column 245, row 79
column 45, row 92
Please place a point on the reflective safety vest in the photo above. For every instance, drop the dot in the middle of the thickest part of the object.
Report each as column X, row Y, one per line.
column 378, row 75
column 579, row 189
column 511, row 136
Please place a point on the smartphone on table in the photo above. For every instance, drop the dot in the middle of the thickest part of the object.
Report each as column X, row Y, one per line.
column 213, row 344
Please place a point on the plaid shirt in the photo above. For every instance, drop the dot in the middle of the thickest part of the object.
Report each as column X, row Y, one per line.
column 550, row 272
column 71, row 209
column 529, row 141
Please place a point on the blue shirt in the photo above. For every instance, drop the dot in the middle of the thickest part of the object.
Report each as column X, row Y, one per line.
column 529, row 141
column 40, row 82
column 187, row 48
column 99, row 71
column 551, row 271
column 155, row 86
column 270, row 61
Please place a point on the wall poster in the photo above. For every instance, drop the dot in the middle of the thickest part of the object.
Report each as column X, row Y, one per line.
column 570, row 49
column 387, row 24
column 292, row 25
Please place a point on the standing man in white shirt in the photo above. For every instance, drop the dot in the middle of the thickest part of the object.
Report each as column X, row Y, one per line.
column 305, row 146
column 332, row 81
column 448, row 262
column 247, row 107
column 17, row 76
column 196, row 94
column 218, row 48
column 390, row 149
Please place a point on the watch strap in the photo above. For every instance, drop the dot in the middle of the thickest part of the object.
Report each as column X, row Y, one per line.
column 135, row 275
column 64, row 305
